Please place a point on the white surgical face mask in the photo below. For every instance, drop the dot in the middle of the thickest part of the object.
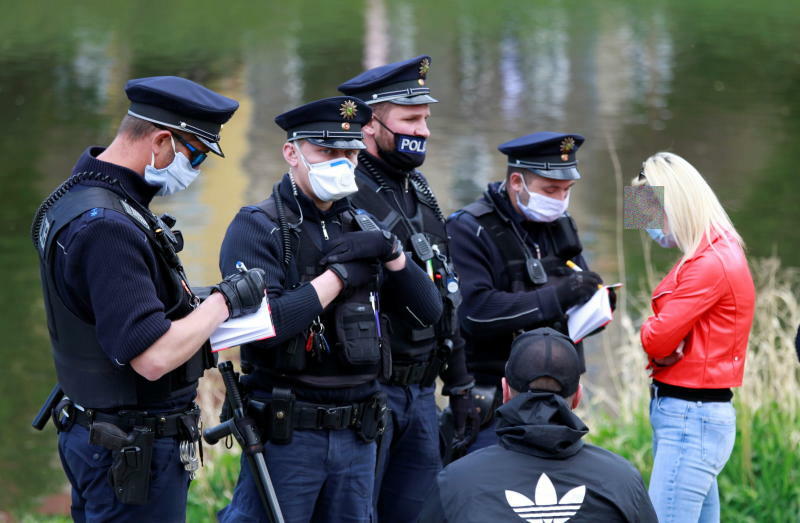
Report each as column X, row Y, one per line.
column 331, row 180
column 665, row 240
column 540, row 208
column 176, row 176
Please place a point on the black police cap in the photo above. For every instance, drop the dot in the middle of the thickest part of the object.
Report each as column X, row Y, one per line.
column 543, row 353
column 331, row 122
column 547, row 154
column 181, row 104
column 401, row 83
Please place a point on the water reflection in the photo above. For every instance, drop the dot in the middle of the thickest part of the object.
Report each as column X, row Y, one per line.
column 701, row 81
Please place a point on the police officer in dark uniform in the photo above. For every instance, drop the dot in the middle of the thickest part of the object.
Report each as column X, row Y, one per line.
column 329, row 268
column 129, row 336
column 542, row 470
column 514, row 249
column 395, row 192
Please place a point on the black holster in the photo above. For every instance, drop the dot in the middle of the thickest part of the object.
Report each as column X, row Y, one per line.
column 373, row 418
column 437, row 363
column 131, row 455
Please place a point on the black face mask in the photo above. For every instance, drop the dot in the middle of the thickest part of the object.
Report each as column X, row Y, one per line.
column 408, row 152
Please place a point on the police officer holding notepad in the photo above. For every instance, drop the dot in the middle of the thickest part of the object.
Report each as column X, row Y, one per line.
column 511, row 248
column 129, row 336
column 330, row 269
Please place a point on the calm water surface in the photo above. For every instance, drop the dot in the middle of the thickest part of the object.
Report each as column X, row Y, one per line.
column 711, row 80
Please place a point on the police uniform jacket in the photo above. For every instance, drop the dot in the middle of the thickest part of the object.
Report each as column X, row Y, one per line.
column 494, row 306
column 390, row 195
column 108, row 274
column 255, row 239
column 540, row 471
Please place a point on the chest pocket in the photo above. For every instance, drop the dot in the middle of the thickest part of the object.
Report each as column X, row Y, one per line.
column 357, row 330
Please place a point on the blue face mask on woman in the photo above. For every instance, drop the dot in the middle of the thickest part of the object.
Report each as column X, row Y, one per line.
column 665, row 240
column 176, row 176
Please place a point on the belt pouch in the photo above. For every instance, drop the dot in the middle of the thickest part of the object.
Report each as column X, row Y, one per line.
column 358, row 333
column 130, row 467
column 282, row 406
column 373, row 418
column 259, row 411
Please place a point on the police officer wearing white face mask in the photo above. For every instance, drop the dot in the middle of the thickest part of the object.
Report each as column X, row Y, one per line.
column 313, row 388
column 511, row 249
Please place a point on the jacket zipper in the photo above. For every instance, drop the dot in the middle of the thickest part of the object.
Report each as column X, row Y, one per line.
column 324, row 230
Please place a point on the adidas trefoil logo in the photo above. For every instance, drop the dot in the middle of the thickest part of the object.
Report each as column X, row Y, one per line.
column 548, row 508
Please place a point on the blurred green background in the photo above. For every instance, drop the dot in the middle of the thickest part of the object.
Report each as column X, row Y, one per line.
column 714, row 81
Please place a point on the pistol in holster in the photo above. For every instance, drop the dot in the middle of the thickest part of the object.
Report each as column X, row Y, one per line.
column 131, row 455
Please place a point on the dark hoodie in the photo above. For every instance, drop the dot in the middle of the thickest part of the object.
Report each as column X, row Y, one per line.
column 540, row 471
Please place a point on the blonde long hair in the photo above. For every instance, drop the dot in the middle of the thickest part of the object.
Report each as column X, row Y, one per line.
column 693, row 210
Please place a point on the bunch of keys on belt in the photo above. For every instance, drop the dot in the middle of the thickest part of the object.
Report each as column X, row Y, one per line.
column 188, row 456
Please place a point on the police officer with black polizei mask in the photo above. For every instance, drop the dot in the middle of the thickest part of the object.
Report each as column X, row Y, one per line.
column 398, row 195
column 519, row 256
column 129, row 336
column 313, row 388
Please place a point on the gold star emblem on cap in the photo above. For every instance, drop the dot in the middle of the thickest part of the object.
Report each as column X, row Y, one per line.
column 424, row 67
column 567, row 146
column 348, row 109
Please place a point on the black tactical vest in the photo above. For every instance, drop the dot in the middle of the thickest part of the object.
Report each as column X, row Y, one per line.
column 85, row 373
column 356, row 353
column 558, row 243
column 407, row 339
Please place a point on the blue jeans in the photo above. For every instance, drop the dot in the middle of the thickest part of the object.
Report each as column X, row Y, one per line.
column 692, row 441
column 93, row 497
column 410, row 458
column 322, row 475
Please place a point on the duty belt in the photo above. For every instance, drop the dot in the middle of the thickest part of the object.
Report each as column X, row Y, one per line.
column 166, row 425
column 409, row 374
column 312, row 416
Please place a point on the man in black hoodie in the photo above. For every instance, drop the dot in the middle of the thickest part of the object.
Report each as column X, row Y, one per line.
column 541, row 470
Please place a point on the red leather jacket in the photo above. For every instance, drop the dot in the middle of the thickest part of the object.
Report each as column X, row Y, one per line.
column 709, row 303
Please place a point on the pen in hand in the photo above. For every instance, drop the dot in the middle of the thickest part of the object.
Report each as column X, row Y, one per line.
column 574, row 266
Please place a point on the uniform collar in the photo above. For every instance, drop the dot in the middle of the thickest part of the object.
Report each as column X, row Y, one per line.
column 498, row 196
column 393, row 173
column 132, row 182
column 310, row 210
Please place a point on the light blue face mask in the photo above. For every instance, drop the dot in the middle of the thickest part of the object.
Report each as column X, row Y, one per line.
column 176, row 176
column 665, row 240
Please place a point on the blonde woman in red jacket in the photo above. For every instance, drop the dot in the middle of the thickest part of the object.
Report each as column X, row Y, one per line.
column 696, row 341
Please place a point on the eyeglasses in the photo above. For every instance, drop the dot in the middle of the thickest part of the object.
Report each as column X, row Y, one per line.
column 196, row 156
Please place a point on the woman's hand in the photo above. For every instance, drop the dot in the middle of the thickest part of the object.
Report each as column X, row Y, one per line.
column 672, row 359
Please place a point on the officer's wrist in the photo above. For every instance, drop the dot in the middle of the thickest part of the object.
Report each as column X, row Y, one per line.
column 217, row 301
column 398, row 264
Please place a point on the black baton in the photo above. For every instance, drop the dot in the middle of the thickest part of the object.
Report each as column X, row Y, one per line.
column 244, row 430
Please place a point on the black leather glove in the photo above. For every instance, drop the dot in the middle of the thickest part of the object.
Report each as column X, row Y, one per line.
column 467, row 420
column 355, row 273
column 243, row 291
column 577, row 288
column 381, row 245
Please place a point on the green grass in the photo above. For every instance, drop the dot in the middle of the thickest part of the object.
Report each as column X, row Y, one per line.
column 213, row 488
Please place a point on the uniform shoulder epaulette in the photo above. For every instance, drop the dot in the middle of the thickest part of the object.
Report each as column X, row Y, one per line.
column 478, row 208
